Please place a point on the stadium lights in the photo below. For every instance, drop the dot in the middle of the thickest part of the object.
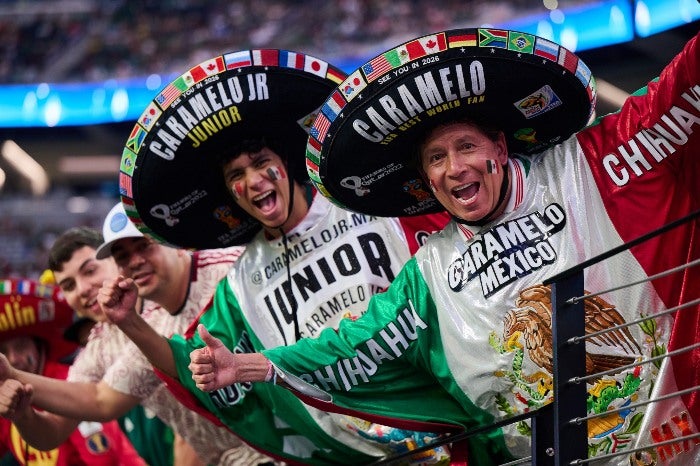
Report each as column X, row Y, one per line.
column 26, row 166
column 89, row 165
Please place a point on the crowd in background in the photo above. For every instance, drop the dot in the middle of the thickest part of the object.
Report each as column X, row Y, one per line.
column 91, row 40
column 28, row 228
column 86, row 40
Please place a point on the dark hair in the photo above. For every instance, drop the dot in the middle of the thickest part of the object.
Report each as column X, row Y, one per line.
column 70, row 241
column 255, row 145
column 491, row 131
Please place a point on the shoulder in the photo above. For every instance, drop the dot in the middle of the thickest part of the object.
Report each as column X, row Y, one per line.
column 209, row 257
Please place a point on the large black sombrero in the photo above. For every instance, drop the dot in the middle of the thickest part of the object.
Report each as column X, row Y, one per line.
column 362, row 149
column 170, row 179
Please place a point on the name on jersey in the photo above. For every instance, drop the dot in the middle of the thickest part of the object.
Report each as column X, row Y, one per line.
column 365, row 253
column 651, row 146
column 508, row 251
column 431, row 93
column 301, row 247
column 209, row 110
column 390, row 343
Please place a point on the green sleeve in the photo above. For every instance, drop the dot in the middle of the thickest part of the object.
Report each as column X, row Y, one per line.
column 266, row 416
column 390, row 362
column 383, row 363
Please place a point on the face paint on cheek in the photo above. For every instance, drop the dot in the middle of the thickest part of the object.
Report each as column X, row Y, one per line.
column 276, row 173
column 237, row 190
column 492, row 166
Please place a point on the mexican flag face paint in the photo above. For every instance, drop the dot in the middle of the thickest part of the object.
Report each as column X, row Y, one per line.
column 237, row 190
column 276, row 173
column 492, row 166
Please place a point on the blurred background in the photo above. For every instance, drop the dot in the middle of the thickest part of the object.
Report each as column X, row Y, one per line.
column 76, row 74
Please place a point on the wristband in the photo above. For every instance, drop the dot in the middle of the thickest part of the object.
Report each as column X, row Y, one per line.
column 271, row 375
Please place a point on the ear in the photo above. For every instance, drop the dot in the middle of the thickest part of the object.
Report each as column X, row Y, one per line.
column 502, row 148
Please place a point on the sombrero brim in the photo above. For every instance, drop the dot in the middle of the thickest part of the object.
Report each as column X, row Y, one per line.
column 28, row 308
column 170, row 179
column 363, row 149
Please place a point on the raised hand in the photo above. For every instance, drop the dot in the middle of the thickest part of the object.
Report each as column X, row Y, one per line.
column 118, row 297
column 15, row 399
column 209, row 364
column 215, row 366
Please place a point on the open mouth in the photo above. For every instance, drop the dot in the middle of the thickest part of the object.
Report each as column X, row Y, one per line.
column 466, row 193
column 93, row 306
column 265, row 202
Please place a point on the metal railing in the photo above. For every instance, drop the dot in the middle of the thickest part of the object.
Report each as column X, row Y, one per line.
column 564, row 420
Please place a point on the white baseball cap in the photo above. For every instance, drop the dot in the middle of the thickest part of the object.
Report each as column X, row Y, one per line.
column 116, row 226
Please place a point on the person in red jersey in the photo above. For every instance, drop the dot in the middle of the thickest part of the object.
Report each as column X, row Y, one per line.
column 33, row 317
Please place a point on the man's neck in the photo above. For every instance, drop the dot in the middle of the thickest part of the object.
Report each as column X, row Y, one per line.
column 176, row 297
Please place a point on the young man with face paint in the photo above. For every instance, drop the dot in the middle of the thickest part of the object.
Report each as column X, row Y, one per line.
column 307, row 266
column 533, row 192
column 34, row 317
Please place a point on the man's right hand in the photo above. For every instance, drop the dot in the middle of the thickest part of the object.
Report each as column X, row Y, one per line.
column 215, row 366
column 15, row 399
column 117, row 298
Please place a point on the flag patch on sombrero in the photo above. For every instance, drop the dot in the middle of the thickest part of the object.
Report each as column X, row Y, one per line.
column 536, row 91
column 170, row 180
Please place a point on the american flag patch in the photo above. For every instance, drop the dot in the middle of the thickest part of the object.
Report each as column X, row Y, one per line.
column 320, row 127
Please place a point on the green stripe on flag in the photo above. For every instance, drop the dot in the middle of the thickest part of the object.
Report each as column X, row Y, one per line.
column 519, row 42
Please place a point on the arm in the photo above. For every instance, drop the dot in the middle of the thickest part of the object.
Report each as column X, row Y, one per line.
column 42, row 430
column 184, row 454
column 118, row 300
column 86, row 401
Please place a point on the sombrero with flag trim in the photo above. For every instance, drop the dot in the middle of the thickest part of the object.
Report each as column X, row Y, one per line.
column 363, row 147
column 170, row 180
column 30, row 308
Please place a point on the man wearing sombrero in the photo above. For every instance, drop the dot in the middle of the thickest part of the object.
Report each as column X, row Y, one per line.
column 480, row 122
column 33, row 317
column 220, row 161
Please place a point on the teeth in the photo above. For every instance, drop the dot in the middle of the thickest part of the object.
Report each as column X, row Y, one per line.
column 464, row 186
column 261, row 196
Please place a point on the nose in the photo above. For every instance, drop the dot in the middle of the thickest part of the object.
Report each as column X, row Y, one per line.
column 83, row 287
column 255, row 177
column 456, row 165
column 135, row 261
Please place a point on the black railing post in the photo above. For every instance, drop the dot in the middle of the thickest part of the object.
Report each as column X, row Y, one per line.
column 570, row 440
column 543, row 436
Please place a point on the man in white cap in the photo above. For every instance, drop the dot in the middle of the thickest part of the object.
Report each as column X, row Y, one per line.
column 110, row 376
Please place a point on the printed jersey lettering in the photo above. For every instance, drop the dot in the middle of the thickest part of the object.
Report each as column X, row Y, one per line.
column 390, row 343
column 235, row 393
column 365, row 253
column 652, row 145
column 508, row 251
